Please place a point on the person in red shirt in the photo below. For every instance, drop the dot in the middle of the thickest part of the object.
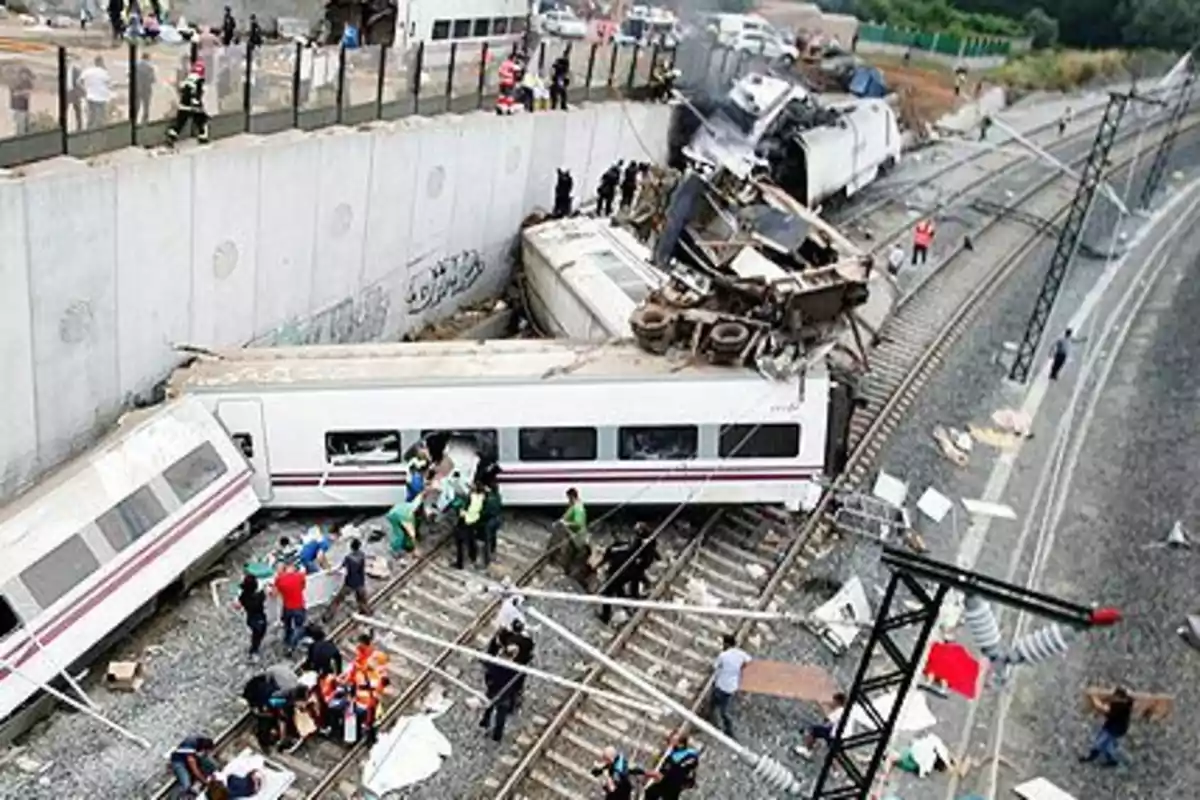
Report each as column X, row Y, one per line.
column 290, row 584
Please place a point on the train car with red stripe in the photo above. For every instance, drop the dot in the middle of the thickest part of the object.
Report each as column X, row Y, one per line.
column 331, row 425
column 90, row 549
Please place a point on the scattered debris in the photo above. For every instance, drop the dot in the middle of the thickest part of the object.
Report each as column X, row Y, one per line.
column 837, row 621
column 790, row 681
column 1013, row 421
column 1041, row 789
column 409, row 753
column 1147, row 707
column 951, row 665
column 756, row 572
column 983, row 508
column 124, row 676
column 934, row 504
column 955, row 445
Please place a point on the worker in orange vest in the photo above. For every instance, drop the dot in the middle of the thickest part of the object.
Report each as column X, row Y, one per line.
column 922, row 238
column 506, row 102
column 366, row 679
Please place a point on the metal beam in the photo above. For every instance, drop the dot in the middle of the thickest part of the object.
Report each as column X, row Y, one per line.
column 1072, row 232
column 1163, row 154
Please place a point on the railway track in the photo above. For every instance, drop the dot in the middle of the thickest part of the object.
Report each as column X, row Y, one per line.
column 925, row 324
column 741, row 555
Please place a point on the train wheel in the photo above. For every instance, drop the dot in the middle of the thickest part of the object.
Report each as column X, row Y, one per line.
column 729, row 337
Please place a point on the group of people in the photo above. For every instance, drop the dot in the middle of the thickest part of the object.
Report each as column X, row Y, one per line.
column 521, row 85
column 511, row 644
column 621, row 178
column 474, row 508
column 195, row 768
column 337, row 700
column 677, row 773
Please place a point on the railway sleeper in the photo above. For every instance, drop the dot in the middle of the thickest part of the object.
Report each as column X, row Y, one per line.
column 615, row 733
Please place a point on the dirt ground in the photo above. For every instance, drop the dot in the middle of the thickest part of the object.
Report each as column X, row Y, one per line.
column 927, row 91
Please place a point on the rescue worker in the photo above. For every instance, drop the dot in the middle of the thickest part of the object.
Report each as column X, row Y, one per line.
column 678, row 772
column 256, row 36
column 514, row 635
column 508, row 85
column 191, row 107
column 617, row 774
column 403, row 521
column 323, row 657
column 252, row 601
column 257, row 693
column 467, row 528
column 922, row 239
column 564, row 185
column 452, row 493
column 629, row 184
column 290, row 585
column 193, row 765
column 560, row 80
column 500, row 682
column 643, row 559
column 493, row 518
column 662, row 84
column 487, row 471
column 228, row 27
column 1065, row 120
column 527, row 87
column 618, row 558
column 577, row 545
column 285, row 554
column 354, row 565
column 366, row 680
column 606, row 192
column 313, row 549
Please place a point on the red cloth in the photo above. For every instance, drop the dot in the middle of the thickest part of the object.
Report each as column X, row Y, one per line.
column 953, row 664
column 290, row 586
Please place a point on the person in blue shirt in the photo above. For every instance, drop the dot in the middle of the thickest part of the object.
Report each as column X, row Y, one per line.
column 312, row 556
column 617, row 773
column 678, row 771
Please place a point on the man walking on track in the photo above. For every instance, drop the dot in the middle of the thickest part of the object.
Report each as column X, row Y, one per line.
column 922, row 239
column 727, row 680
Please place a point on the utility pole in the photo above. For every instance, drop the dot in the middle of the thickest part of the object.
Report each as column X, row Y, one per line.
column 1090, row 178
column 1163, row 154
column 927, row 582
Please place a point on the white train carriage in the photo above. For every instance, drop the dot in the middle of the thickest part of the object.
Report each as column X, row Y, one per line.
column 91, row 547
column 329, row 426
column 583, row 278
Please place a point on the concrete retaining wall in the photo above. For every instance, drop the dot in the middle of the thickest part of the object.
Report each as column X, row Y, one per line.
column 335, row 236
column 977, row 63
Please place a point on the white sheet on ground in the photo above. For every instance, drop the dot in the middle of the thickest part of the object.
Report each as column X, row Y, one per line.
column 843, row 615
column 914, row 714
column 409, row 753
column 926, row 751
column 1041, row 789
column 934, row 504
column 890, row 489
column 276, row 779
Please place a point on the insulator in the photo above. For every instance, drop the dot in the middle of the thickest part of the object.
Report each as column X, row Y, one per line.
column 779, row 777
column 982, row 625
column 1041, row 645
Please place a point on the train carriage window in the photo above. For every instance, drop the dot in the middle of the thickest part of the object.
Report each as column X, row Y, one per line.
column 499, row 26
column 462, row 28
column 131, row 519
column 556, row 444
column 480, row 27
column 441, row 29
column 195, row 472
column 9, row 621
column 362, row 447
column 484, row 441
column 59, row 571
column 517, row 25
column 658, row 443
column 245, row 443
column 759, row 441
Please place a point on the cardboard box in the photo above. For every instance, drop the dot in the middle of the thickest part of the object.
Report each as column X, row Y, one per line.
column 124, row 676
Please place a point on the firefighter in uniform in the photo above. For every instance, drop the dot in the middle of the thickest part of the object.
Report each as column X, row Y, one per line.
column 191, row 107
column 506, row 102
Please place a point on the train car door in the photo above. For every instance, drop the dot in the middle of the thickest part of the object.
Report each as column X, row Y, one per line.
column 244, row 421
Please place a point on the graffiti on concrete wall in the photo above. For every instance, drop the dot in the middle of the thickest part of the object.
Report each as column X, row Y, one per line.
column 450, row 277
column 352, row 321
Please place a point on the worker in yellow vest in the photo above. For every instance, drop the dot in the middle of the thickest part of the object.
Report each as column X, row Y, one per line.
column 466, row 533
column 922, row 239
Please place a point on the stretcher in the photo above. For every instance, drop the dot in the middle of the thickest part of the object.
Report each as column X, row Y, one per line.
column 276, row 779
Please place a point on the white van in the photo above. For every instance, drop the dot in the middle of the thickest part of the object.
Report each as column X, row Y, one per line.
column 728, row 28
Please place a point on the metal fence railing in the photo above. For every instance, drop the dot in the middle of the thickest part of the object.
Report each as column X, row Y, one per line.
column 942, row 43
column 79, row 101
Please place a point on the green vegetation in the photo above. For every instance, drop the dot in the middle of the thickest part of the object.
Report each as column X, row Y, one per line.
column 936, row 16
column 1060, row 70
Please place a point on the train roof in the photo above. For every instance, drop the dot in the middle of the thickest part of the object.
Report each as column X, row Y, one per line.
column 437, row 364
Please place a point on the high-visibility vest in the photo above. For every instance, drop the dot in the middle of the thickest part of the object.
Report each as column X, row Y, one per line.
column 508, row 72
column 923, row 234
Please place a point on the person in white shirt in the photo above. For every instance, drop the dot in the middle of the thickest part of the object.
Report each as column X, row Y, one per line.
column 823, row 732
column 97, row 91
column 896, row 258
column 727, row 680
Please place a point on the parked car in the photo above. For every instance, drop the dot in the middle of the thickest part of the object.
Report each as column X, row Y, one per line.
column 768, row 46
column 564, row 24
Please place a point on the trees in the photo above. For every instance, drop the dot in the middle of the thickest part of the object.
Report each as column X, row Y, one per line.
column 1042, row 27
column 1165, row 24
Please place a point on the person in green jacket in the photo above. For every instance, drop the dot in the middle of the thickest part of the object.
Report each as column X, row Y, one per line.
column 493, row 513
column 403, row 520
column 574, row 520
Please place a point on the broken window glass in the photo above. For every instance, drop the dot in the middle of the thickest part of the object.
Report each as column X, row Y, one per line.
column 658, row 443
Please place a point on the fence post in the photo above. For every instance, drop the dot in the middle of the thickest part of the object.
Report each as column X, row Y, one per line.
column 246, row 82
column 133, row 95
column 637, row 48
column 62, row 98
column 483, row 68
column 379, row 81
column 416, row 77
column 653, row 62
column 296, row 86
column 587, row 95
column 341, row 83
column 612, row 68
column 724, row 64
column 541, row 57
column 450, row 75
